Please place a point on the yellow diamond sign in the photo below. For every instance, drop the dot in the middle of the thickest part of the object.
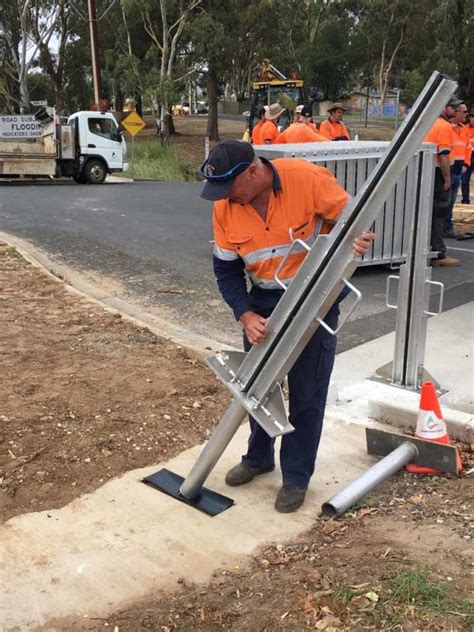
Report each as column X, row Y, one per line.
column 133, row 123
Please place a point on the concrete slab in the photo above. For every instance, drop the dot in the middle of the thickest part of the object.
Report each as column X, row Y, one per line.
column 110, row 548
column 449, row 358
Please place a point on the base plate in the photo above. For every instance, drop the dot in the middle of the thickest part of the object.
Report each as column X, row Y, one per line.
column 430, row 454
column 207, row 501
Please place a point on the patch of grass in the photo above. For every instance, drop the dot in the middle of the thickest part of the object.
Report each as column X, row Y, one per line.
column 409, row 591
column 153, row 161
column 414, row 587
column 345, row 593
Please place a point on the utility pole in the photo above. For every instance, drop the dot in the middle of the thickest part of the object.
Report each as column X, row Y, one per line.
column 96, row 78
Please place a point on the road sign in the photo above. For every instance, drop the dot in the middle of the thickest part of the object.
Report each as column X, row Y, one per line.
column 38, row 103
column 133, row 123
column 19, row 126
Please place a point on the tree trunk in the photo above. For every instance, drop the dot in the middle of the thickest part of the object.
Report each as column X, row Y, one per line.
column 139, row 104
column 169, row 123
column 58, row 95
column 212, row 120
column 24, row 95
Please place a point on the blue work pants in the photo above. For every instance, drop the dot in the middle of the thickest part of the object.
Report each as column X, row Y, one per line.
column 465, row 184
column 308, row 383
column 456, row 172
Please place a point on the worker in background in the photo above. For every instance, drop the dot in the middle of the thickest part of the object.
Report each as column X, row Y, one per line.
column 441, row 134
column 260, row 207
column 466, row 176
column 301, row 131
column 297, row 116
column 460, row 158
column 257, row 129
column 270, row 129
column 333, row 128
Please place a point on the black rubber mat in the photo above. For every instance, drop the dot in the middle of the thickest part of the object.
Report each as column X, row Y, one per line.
column 207, row 501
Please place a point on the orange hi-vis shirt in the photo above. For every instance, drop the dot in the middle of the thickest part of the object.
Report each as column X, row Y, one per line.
column 299, row 133
column 470, row 133
column 333, row 130
column 441, row 134
column 268, row 132
column 461, row 144
column 257, row 133
column 460, row 147
column 307, row 200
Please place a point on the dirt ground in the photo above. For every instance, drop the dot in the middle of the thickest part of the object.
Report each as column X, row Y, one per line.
column 86, row 396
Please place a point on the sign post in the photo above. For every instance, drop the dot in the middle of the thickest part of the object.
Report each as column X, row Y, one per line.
column 133, row 124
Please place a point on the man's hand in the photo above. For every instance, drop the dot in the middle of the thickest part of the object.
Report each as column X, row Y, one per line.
column 362, row 244
column 447, row 185
column 254, row 327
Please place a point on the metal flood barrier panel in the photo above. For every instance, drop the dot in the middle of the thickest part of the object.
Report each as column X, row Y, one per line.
column 351, row 162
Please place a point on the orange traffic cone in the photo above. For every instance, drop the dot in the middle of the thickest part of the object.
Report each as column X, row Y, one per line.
column 430, row 426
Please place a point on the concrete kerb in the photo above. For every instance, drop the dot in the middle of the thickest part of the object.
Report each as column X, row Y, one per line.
column 404, row 414
column 355, row 397
column 75, row 282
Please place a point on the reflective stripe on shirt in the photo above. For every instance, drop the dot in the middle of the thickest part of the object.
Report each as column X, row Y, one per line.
column 224, row 254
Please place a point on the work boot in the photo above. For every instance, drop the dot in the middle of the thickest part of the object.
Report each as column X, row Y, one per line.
column 241, row 474
column 289, row 499
column 448, row 262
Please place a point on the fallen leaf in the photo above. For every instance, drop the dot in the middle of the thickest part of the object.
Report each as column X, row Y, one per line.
column 366, row 511
column 372, row 596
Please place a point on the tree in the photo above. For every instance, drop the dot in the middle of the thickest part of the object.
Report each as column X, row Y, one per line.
column 229, row 40
column 165, row 34
column 17, row 20
column 53, row 63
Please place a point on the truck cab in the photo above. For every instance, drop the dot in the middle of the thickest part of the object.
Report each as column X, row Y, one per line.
column 99, row 147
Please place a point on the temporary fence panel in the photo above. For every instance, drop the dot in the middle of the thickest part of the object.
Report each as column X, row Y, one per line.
column 351, row 162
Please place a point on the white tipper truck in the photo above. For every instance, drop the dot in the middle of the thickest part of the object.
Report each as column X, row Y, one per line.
column 86, row 146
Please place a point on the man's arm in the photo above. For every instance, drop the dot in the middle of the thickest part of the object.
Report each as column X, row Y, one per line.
column 233, row 288
column 445, row 166
column 232, row 285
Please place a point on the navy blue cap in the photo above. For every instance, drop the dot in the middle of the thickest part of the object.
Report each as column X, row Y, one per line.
column 227, row 160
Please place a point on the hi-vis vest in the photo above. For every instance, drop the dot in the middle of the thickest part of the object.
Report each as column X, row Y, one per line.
column 306, row 201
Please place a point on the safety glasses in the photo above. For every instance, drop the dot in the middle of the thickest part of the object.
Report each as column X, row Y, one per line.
column 206, row 172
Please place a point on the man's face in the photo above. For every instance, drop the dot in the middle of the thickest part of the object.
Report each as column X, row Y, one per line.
column 246, row 186
column 461, row 113
column 336, row 115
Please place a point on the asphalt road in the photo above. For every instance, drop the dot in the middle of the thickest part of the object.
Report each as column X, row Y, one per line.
column 149, row 243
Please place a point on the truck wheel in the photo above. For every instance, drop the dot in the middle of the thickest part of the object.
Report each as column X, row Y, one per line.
column 95, row 172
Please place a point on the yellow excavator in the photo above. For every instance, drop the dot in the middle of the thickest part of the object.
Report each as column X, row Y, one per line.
column 274, row 87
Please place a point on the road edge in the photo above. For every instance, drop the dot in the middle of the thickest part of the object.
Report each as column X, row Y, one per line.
column 75, row 282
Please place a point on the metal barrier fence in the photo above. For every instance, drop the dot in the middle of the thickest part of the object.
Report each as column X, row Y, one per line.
column 352, row 162
column 402, row 229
